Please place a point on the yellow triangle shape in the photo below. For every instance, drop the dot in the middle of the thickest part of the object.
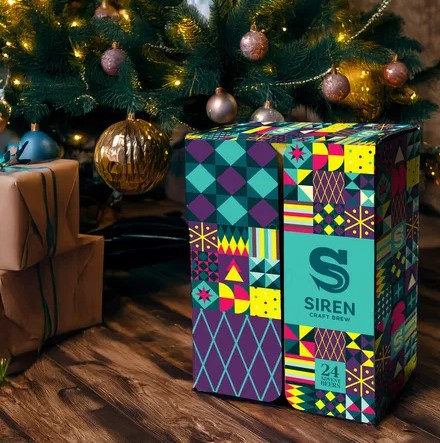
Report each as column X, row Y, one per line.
column 280, row 147
column 304, row 330
column 302, row 174
column 303, row 351
column 233, row 275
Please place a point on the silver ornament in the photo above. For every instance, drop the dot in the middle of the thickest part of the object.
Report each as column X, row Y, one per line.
column 112, row 59
column 335, row 87
column 267, row 114
column 254, row 45
column 222, row 107
column 396, row 74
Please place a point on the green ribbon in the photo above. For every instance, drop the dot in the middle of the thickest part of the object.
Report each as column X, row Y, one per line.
column 50, row 329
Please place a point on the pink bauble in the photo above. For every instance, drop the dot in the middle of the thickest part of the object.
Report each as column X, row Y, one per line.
column 254, row 45
column 396, row 74
column 112, row 60
column 335, row 87
column 106, row 11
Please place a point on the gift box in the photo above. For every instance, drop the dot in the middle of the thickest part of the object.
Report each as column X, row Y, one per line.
column 40, row 212
column 56, row 296
column 327, row 214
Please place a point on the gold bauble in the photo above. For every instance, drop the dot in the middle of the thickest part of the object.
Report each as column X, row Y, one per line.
column 367, row 90
column 132, row 156
column 404, row 95
column 5, row 113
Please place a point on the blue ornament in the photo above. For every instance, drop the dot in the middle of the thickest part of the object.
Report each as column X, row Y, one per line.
column 37, row 146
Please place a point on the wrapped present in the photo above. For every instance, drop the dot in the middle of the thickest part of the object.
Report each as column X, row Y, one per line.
column 58, row 295
column 40, row 212
column 348, row 229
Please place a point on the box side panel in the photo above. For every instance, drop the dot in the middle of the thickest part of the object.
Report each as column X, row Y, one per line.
column 397, row 219
column 232, row 191
column 329, row 276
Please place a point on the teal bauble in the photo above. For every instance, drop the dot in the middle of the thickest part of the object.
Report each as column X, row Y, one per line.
column 37, row 146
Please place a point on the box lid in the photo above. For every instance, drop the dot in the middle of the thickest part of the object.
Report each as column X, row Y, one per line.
column 286, row 132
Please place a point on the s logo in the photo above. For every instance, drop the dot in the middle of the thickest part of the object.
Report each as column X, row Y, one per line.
column 330, row 269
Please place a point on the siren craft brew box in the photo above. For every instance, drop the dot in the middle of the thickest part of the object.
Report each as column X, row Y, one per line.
column 324, row 218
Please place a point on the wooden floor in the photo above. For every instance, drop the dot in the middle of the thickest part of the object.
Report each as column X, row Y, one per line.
column 130, row 379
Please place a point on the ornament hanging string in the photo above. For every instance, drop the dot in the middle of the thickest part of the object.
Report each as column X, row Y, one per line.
column 380, row 10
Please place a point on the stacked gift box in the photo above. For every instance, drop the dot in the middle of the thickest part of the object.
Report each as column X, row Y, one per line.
column 50, row 275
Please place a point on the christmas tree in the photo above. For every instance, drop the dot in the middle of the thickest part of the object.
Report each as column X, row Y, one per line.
column 164, row 59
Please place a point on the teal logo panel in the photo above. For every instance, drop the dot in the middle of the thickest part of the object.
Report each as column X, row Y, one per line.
column 329, row 282
column 330, row 375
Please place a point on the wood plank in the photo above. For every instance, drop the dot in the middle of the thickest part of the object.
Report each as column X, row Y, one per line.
column 10, row 432
column 134, row 382
column 48, row 404
column 161, row 331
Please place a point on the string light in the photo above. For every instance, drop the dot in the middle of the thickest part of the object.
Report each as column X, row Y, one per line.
column 77, row 53
column 16, row 82
column 74, row 24
column 372, row 19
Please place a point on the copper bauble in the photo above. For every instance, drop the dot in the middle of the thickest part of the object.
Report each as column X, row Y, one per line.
column 222, row 107
column 106, row 11
column 267, row 114
column 132, row 156
column 367, row 96
column 112, row 60
column 396, row 74
column 335, row 87
column 5, row 113
column 254, row 45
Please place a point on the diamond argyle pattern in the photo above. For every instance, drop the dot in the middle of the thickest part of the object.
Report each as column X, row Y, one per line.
column 237, row 355
column 330, row 344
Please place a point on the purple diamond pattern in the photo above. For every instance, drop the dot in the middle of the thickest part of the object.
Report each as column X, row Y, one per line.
column 231, row 180
column 263, row 213
column 201, row 207
column 236, row 356
column 200, row 150
column 262, row 153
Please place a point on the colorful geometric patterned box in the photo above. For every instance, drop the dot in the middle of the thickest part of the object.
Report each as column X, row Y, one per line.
column 348, row 243
column 234, row 215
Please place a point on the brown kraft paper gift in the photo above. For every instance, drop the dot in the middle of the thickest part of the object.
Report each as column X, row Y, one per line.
column 39, row 209
column 34, row 306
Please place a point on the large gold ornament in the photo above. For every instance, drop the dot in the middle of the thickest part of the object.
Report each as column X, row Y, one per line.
column 132, row 156
column 368, row 92
column 5, row 113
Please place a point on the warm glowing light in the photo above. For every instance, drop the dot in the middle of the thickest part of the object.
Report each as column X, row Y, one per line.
column 342, row 37
column 74, row 24
column 284, row 29
column 11, row 2
column 9, row 44
column 16, row 82
column 124, row 14
column 77, row 137
column 5, row 55
column 77, row 53
column 177, row 83
column 413, row 96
